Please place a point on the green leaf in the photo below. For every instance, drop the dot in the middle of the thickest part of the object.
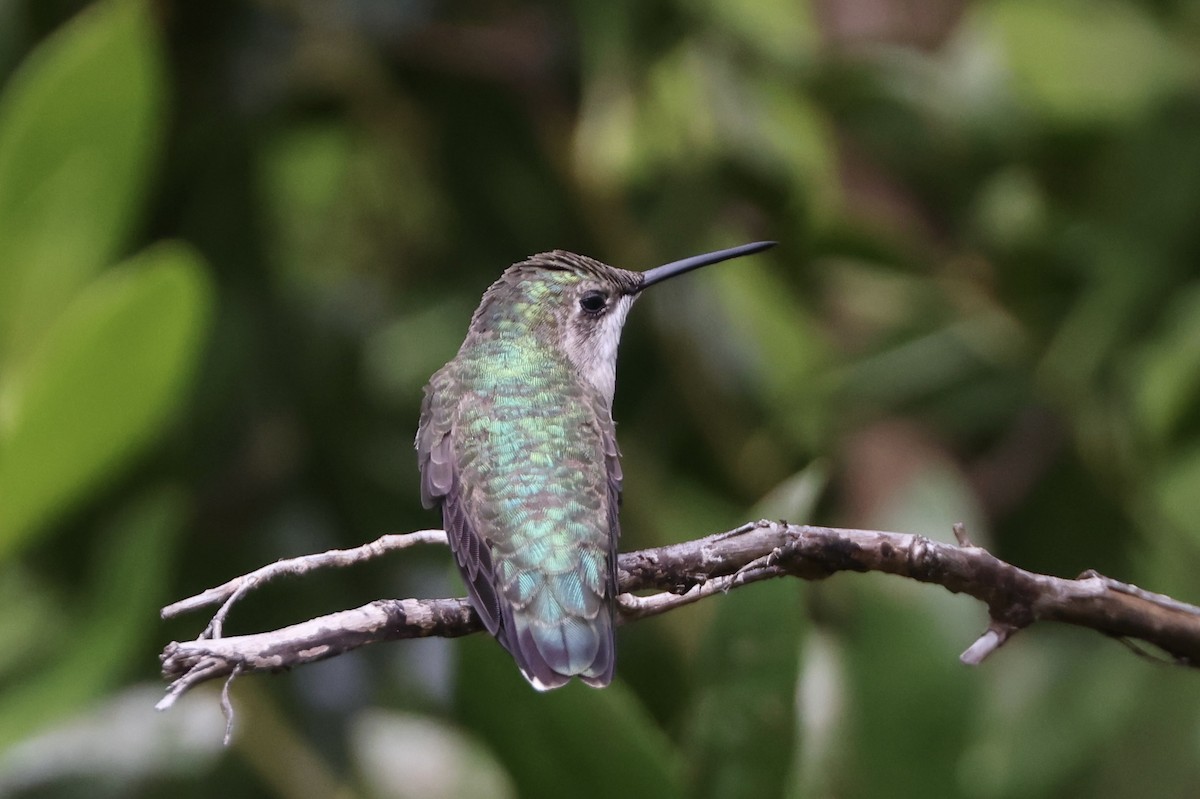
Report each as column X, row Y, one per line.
column 783, row 31
column 117, row 613
column 771, row 343
column 742, row 733
column 1081, row 63
column 32, row 618
column 100, row 386
column 1165, row 380
column 910, row 700
column 795, row 497
column 79, row 128
column 1174, row 489
column 574, row 741
column 1053, row 701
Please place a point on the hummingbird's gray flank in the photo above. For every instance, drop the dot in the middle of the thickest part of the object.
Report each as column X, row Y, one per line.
column 518, row 446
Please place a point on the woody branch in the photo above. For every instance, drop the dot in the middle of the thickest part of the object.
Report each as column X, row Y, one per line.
column 682, row 573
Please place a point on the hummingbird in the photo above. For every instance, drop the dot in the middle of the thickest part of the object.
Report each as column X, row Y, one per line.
column 517, row 444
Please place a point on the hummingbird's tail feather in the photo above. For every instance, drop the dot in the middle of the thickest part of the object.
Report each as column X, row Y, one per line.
column 601, row 672
column 549, row 655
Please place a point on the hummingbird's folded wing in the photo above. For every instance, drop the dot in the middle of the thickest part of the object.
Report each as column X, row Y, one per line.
column 612, row 465
column 440, row 485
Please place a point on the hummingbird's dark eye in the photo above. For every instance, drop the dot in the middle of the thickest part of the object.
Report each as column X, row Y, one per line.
column 593, row 301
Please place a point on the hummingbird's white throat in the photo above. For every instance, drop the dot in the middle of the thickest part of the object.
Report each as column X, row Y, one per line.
column 592, row 348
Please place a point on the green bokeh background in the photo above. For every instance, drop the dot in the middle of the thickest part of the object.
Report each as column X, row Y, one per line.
column 236, row 238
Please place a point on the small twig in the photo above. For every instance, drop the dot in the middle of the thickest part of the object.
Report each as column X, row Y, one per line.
column 634, row 607
column 1133, row 590
column 216, row 624
column 1146, row 654
column 226, row 705
column 992, row 639
column 199, row 669
column 238, row 587
column 687, row 572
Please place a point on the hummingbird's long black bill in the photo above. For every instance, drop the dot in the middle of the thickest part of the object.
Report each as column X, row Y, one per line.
column 661, row 273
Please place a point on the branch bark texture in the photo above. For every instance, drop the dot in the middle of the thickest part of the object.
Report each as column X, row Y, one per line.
column 683, row 573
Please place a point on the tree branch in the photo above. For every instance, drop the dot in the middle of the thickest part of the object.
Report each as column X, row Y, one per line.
column 683, row 573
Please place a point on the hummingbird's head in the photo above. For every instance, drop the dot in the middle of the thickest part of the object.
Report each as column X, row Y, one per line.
column 570, row 302
column 578, row 305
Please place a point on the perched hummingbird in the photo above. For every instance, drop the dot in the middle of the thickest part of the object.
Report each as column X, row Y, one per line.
column 517, row 444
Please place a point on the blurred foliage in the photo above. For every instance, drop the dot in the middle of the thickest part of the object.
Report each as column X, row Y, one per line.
column 93, row 364
column 237, row 237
